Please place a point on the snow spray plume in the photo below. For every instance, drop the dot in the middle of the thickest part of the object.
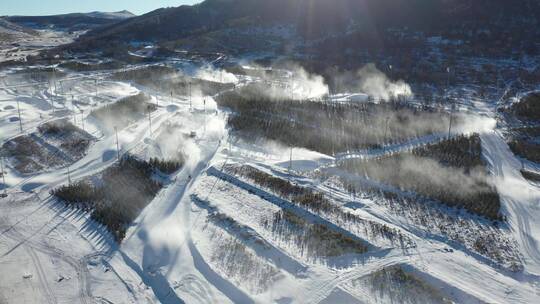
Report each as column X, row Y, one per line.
column 288, row 81
column 210, row 74
column 376, row 84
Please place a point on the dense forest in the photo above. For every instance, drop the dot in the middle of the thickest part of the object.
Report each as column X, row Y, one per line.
column 329, row 128
column 123, row 191
column 125, row 111
column 452, row 172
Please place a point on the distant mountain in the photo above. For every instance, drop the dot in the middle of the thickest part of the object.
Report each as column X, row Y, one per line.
column 324, row 30
column 9, row 30
column 7, row 26
column 72, row 22
column 114, row 15
column 311, row 19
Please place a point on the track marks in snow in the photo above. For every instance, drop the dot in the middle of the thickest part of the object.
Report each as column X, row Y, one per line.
column 519, row 198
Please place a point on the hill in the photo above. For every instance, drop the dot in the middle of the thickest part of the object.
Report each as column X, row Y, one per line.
column 10, row 30
column 73, row 21
column 313, row 19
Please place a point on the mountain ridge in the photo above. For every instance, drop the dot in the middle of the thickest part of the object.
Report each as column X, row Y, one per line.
column 72, row 21
column 311, row 19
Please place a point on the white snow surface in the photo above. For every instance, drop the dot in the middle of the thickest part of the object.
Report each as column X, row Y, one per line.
column 190, row 244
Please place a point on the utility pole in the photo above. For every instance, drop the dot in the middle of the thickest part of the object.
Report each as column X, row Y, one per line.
column 190, row 106
column 69, row 176
column 73, row 110
column 292, row 86
column 54, row 81
column 49, row 82
column 450, row 124
column 451, row 107
column 332, row 121
column 19, row 111
column 82, row 119
column 3, row 176
column 149, row 119
column 448, row 77
column 290, row 163
column 117, row 144
column 386, row 131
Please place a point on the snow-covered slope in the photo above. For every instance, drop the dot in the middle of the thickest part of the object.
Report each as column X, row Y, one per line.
column 12, row 30
column 215, row 235
column 111, row 15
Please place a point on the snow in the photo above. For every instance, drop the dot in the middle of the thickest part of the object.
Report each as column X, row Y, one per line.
column 180, row 247
column 17, row 43
column 521, row 200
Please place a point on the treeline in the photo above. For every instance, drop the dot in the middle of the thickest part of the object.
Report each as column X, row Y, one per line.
column 462, row 151
column 528, row 108
column 524, row 142
column 166, row 166
column 28, row 156
column 79, row 66
column 451, row 172
column 168, row 80
column 312, row 240
column 42, row 74
column 73, row 140
column 56, row 143
column 119, row 197
column 328, row 127
column 57, row 127
column 395, row 284
column 318, row 203
column 124, row 111
column 525, row 149
column 532, row 176
column 453, row 224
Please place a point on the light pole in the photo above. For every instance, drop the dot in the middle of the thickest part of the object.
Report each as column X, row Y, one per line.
column 385, row 131
column 3, row 176
column 69, row 176
column 73, row 110
column 54, row 81
column 20, row 119
column 82, row 119
column 292, row 86
column 150, row 120
column 448, row 96
column 190, row 105
column 117, row 145
column 290, row 163
column 450, row 123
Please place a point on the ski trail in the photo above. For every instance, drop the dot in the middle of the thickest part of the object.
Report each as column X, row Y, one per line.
column 520, row 200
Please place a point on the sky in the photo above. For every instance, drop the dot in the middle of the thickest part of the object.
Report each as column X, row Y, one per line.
column 53, row 7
